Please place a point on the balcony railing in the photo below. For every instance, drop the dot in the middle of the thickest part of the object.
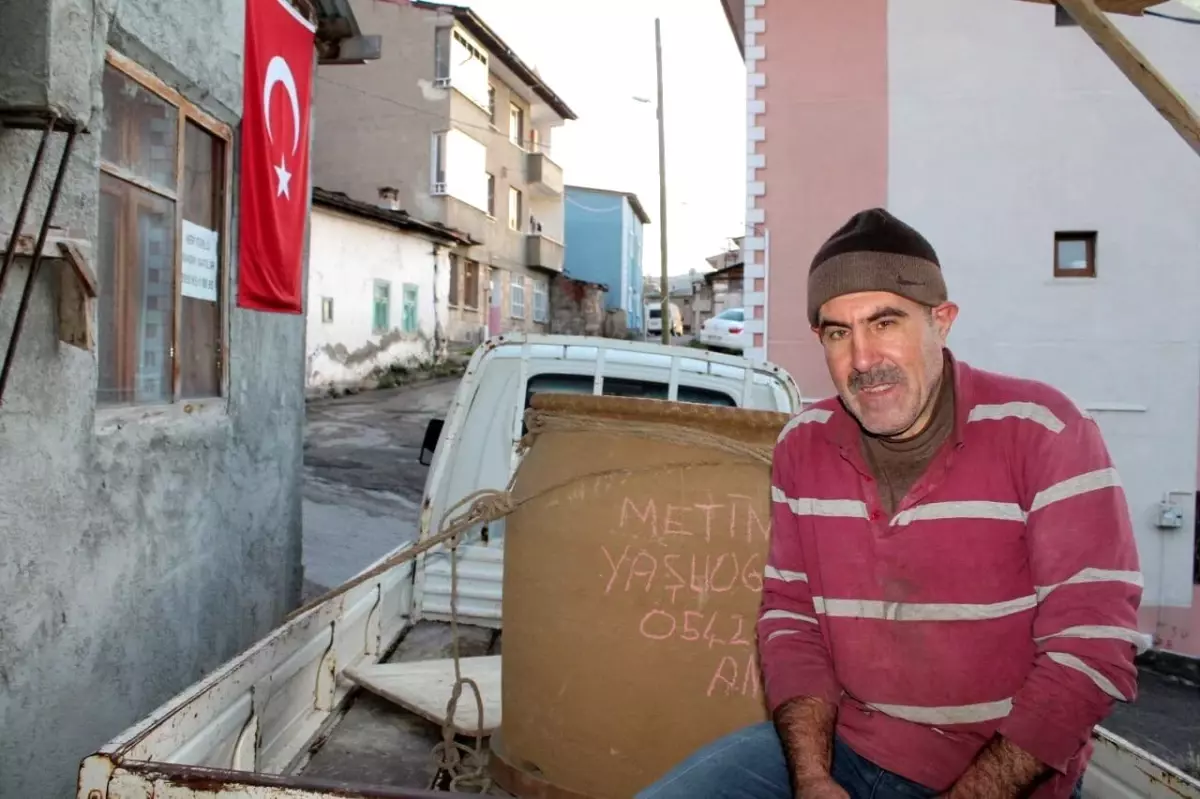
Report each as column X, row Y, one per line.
column 543, row 174
column 542, row 252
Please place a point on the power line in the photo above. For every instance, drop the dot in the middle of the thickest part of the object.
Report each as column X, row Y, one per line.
column 1173, row 17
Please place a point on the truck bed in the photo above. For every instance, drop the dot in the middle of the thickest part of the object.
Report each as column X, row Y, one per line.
column 376, row 742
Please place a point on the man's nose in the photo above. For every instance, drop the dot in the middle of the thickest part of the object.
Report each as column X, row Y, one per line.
column 863, row 352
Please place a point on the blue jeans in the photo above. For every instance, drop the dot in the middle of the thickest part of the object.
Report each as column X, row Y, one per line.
column 750, row 764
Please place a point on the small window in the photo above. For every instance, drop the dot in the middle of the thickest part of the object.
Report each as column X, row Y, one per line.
column 514, row 208
column 1074, row 254
column 471, row 285
column 438, row 165
column 516, row 125
column 491, row 202
column 1062, row 18
column 454, row 279
column 381, row 319
column 326, row 309
column 492, row 103
column 441, row 55
column 516, row 297
column 541, row 302
column 408, row 318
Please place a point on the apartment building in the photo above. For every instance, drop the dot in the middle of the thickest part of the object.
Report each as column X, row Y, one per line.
column 453, row 127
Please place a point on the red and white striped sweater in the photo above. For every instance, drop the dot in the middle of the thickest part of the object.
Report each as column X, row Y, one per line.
column 1002, row 595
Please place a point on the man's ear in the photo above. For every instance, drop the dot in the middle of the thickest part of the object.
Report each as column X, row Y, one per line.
column 943, row 317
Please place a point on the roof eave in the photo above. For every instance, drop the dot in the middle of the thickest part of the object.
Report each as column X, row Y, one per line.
column 401, row 220
column 500, row 49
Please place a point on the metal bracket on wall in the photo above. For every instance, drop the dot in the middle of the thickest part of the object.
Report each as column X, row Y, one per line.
column 48, row 121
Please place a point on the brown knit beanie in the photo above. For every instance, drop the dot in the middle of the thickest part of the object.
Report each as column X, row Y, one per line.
column 875, row 251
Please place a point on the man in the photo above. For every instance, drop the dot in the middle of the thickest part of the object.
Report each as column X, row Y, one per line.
column 950, row 601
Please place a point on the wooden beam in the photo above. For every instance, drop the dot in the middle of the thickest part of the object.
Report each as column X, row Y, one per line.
column 1140, row 72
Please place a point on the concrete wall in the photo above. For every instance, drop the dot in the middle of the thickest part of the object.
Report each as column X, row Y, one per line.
column 990, row 155
column 576, row 308
column 347, row 256
column 375, row 123
column 139, row 548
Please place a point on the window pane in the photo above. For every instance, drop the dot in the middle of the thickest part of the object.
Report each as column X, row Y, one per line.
column 1072, row 254
column 140, row 131
column 382, row 317
column 136, row 305
column 471, row 286
column 453, row 279
column 203, row 210
column 409, row 321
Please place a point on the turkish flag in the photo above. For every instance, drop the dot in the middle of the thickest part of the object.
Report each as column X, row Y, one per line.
column 274, row 163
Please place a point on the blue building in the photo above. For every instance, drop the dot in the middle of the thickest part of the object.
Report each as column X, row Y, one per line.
column 604, row 245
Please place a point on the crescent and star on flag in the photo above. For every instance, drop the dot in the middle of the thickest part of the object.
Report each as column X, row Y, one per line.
column 280, row 74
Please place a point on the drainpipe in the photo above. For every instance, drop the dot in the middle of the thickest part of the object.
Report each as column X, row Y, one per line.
column 437, row 323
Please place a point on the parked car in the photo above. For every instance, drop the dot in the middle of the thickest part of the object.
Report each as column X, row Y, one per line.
column 726, row 331
column 654, row 320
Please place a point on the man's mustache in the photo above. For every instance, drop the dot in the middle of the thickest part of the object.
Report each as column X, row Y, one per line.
column 879, row 376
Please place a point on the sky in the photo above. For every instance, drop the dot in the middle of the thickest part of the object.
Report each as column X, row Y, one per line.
column 598, row 57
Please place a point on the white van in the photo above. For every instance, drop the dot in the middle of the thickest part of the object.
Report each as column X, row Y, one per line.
column 654, row 319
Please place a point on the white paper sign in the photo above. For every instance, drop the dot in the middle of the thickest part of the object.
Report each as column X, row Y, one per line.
column 200, row 247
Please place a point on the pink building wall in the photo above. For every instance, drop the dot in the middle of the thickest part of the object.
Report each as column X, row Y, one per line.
column 819, row 139
column 825, row 140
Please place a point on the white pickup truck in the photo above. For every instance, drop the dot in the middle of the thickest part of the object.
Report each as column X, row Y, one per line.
column 286, row 718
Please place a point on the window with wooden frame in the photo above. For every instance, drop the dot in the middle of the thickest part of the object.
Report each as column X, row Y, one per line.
column 471, row 285
column 162, row 243
column 1075, row 254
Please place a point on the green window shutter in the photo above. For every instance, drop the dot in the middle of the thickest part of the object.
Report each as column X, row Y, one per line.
column 409, row 320
column 382, row 320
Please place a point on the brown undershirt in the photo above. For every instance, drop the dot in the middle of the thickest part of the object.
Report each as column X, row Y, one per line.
column 897, row 465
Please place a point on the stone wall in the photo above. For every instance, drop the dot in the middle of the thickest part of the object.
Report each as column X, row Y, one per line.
column 576, row 307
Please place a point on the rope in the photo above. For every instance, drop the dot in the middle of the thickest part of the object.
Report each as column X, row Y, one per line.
column 466, row 765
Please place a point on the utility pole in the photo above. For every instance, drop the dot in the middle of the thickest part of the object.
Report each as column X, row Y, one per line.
column 662, row 190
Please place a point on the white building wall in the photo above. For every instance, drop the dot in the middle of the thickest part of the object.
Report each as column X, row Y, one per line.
column 1004, row 129
column 347, row 256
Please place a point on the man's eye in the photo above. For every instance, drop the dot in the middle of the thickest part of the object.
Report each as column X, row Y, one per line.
column 883, row 324
column 834, row 335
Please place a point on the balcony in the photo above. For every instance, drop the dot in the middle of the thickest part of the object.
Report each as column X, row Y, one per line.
column 542, row 252
column 543, row 175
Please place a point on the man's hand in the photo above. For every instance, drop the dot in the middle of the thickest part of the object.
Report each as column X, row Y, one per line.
column 805, row 726
column 1002, row 770
column 823, row 788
